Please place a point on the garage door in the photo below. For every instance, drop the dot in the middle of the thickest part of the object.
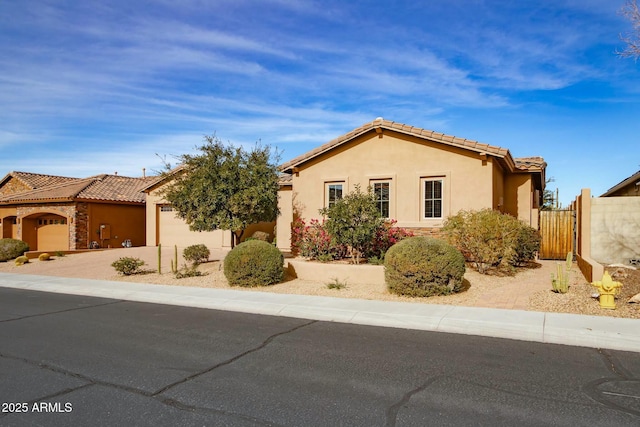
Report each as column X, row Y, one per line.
column 53, row 234
column 174, row 231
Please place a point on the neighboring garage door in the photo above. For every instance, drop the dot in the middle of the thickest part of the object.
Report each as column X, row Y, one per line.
column 52, row 233
column 174, row 231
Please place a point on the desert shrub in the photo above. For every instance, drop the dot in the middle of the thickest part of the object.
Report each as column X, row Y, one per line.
column 189, row 271
column 12, row 248
column 313, row 241
column 44, row 257
column 353, row 220
column 128, row 266
column 254, row 263
column 196, row 254
column 422, row 267
column 21, row 260
column 527, row 245
column 59, row 253
column 260, row 235
column 486, row 238
column 337, row 284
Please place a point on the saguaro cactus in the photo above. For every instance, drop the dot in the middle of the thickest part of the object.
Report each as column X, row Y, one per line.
column 174, row 261
column 159, row 259
column 560, row 281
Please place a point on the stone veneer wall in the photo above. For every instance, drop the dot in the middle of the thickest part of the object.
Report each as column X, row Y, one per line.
column 426, row 231
column 13, row 186
column 80, row 238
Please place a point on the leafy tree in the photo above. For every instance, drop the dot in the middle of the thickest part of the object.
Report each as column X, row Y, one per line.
column 354, row 220
column 548, row 197
column 225, row 187
column 631, row 11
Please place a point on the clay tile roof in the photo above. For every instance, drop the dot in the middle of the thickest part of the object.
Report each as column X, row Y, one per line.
column 530, row 163
column 285, row 179
column 99, row 187
column 402, row 128
column 115, row 188
column 37, row 180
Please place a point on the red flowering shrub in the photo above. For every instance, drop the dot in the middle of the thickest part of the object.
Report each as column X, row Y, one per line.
column 313, row 241
column 386, row 236
column 297, row 231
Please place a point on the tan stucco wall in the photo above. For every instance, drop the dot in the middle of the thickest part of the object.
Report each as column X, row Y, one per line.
column 518, row 198
column 168, row 230
column 404, row 160
column 615, row 229
column 283, row 230
column 124, row 222
column 498, row 187
column 7, row 228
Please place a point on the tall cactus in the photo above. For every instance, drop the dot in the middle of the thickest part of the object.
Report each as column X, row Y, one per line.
column 159, row 258
column 174, row 261
column 560, row 281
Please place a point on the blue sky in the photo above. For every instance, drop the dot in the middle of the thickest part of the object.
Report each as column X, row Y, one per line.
column 89, row 87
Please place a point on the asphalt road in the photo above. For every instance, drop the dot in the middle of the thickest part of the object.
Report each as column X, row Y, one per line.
column 74, row 360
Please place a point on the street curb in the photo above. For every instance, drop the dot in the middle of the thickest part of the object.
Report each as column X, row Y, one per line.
column 556, row 328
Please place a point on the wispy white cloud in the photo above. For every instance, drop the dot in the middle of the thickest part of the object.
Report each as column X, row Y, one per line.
column 119, row 81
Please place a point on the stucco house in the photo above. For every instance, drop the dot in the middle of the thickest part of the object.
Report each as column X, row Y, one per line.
column 164, row 227
column 627, row 187
column 419, row 177
column 55, row 213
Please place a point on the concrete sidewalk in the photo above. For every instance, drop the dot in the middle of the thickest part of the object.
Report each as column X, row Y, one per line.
column 556, row 328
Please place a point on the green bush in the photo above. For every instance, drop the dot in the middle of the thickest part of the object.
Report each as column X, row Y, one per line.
column 196, row 254
column 527, row 245
column 353, row 221
column 44, row 257
column 21, row 260
column 254, row 263
column 422, row 267
column 487, row 238
column 260, row 235
column 12, row 248
column 189, row 271
column 128, row 266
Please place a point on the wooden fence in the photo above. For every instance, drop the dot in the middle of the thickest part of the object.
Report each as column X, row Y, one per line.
column 557, row 230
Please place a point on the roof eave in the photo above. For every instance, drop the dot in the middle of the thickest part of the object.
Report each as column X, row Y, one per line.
column 622, row 184
column 475, row 146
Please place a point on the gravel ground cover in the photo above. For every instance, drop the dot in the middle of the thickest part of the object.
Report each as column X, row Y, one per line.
column 535, row 282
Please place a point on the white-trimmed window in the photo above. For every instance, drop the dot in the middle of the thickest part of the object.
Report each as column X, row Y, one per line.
column 333, row 193
column 432, row 194
column 382, row 192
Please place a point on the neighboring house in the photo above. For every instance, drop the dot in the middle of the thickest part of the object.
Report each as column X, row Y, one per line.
column 627, row 187
column 165, row 228
column 54, row 213
column 419, row 177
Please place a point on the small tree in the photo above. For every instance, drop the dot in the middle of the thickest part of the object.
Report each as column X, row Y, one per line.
column 225, row 187
column 354, row 220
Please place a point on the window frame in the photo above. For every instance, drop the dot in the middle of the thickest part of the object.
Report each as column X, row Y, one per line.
column 328, row 202
column 380, row 201
column 423, row 197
